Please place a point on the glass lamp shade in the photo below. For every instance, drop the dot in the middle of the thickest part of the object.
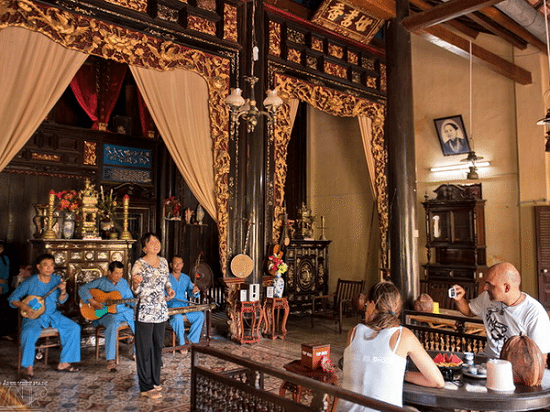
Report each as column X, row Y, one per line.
column 472, row 174
column 272, row 99
column 235, row 99
column 545, row 120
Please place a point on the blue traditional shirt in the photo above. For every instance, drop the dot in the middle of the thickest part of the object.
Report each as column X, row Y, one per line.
column 183, row 288
column 151, row 305
column 105, row 285
column 4, row 275
column 34, row 286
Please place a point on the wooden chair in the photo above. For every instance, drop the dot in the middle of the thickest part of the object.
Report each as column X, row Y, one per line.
column 49, row 338
column 339, row 304
column 124, row 332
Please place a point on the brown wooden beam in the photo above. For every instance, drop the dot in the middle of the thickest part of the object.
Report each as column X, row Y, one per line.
column 498, row 30
column 452, row 42
column 468, row 31
column 509, row 24
column 444, row 12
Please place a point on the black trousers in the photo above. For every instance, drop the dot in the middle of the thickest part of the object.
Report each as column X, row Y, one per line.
column 149, row 342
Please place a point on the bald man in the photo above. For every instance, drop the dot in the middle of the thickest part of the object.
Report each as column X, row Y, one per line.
column 506, row 310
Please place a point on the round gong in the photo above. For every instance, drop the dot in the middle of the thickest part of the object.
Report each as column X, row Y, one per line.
column 242, row 265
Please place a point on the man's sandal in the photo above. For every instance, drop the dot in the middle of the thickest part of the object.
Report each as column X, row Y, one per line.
column 152, row 394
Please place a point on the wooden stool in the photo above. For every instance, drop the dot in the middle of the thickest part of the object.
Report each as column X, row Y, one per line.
column 124, row 331
column 275, row 327
column 253, row 308
column 317, row 374
column 50, row 337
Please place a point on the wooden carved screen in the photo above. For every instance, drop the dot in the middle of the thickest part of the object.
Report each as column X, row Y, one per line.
column 338, row 104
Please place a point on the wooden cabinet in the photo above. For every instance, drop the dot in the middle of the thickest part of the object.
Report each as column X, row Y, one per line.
column 455, row 239
column 84, row 260
column 308, row 272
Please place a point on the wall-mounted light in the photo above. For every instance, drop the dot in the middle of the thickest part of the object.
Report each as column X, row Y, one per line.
column 459, row 167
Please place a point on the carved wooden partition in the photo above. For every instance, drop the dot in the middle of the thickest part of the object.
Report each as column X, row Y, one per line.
column 446, row 338
column 242, row 388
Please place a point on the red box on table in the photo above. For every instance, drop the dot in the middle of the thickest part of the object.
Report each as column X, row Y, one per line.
column 312, row 354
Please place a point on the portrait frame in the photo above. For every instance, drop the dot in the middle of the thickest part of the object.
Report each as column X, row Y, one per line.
column 452, row 125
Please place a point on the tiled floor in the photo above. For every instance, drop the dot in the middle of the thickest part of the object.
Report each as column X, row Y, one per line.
column 94, row 388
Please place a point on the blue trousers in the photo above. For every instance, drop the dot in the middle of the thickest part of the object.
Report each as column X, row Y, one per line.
column 195, row 318
column 69, row 333
column 112, row 321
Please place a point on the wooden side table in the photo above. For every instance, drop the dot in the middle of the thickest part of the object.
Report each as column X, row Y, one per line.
column 256, row 314
column 317, row 374
column 275, row 327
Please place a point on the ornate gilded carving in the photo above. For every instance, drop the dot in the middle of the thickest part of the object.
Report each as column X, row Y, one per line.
column 295, row 36
column 90, row 156
column 95, row 37
column 338, row 104
column 137, row 5
column 230, row 23
column 367, row 63
column 45, row 156
column 209, row 5
column 311, row 62
column 167, row 13
column 202, row 25
column 383, row 84
column 353, row 58
column 356, row 77
column 335, row 70
column 335, row 51
column 274, row 39
column 317, row 44
column 294, row 56
column 371, row 82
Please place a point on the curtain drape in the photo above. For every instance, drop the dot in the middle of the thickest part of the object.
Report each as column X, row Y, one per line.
column 178, row 103
column 34, row 73
column 84, row 86
column 365, row 124
column 293, row 103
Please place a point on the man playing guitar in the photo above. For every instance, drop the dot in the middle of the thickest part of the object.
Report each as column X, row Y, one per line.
column 46, row 290
column 112, row 282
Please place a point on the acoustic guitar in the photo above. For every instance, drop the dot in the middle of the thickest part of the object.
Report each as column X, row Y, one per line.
column 38, row 303
column 109, row 301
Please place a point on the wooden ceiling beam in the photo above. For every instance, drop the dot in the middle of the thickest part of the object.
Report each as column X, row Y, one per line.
column 452, row 42
column 444, row 12
column 498, row 30
column 509, row 24
column 423, row 5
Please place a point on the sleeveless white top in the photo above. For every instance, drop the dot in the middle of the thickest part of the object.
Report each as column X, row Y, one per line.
column 372, row 369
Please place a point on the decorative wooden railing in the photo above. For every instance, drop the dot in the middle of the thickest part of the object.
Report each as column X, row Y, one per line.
column 242, row 388
column 441, row 332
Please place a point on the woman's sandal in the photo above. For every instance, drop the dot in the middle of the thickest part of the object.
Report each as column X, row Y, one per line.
column 152, row 394
column 157, row 388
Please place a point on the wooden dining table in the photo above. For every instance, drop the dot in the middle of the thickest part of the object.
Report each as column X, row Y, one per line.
column 450, row 320
column 471, row 394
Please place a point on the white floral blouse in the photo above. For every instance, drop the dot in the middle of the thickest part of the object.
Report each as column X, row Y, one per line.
column 151, row 305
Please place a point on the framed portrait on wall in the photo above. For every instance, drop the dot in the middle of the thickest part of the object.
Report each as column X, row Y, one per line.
column 452, row 135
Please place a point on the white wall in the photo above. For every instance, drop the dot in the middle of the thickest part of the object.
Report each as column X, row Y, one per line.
column 339, row 189
column 504, row 132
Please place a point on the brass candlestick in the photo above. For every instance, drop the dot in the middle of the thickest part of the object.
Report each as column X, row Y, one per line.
column 49, row 233
column 322, row 237
column 125, row 235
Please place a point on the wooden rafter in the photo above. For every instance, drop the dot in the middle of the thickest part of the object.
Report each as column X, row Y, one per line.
column 423, row 5
column 498, row 30
column 452, row 42
column 444, row 12
column 511, row 25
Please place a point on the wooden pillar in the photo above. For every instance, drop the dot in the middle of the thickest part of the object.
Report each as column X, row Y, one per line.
column 401, row 157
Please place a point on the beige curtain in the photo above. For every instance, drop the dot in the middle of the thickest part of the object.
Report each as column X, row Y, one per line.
column 178, row 102
column 365, row 124
column 293, row 103
column 34, row 73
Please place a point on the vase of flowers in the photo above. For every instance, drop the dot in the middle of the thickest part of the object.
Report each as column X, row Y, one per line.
column 275, row 264
column 68, row 205
column 107, row 205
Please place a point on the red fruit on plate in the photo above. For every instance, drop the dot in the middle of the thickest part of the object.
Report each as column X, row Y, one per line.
column 455, row 359
column 440, row 358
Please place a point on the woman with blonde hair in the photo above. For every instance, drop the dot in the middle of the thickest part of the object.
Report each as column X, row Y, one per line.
column 376, row 353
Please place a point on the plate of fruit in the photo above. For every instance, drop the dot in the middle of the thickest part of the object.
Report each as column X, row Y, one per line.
column 450, row 366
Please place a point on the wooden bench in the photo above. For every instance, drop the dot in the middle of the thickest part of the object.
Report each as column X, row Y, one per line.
column 338, row 304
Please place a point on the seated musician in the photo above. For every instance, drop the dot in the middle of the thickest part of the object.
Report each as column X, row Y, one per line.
column 38, row 316
column 184, row 288
column 112, row 282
